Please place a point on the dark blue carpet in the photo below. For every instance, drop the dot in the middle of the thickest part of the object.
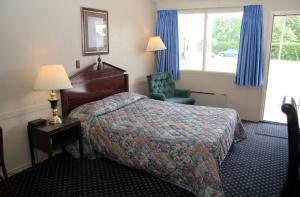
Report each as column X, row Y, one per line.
column 257, row 166
column 254, row 167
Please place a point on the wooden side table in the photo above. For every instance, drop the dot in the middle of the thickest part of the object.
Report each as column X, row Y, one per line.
column 47, row 137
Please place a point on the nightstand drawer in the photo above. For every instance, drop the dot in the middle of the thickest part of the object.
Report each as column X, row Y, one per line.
column 64, row 138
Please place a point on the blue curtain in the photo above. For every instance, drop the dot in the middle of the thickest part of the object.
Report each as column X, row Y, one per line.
column 167, row 29
column 250, row 59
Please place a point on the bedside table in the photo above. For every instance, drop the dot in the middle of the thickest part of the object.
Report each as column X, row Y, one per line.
column 47, row 137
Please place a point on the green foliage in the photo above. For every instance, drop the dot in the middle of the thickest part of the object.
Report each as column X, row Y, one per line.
column 224, row 45
column 286, row 35
column 226, row 35
column 289, row 51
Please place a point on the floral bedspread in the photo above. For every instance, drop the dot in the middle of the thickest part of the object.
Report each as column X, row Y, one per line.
column 181, row 144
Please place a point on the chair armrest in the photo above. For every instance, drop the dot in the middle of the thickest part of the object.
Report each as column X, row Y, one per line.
column 182, row 93
column 158, row 96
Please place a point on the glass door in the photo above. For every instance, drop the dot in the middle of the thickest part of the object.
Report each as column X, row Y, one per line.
column 284, row 67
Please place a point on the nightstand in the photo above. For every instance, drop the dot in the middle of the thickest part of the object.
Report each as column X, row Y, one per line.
column 48, row 138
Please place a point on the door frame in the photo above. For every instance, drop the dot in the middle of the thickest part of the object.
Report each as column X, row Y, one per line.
column 268, row 49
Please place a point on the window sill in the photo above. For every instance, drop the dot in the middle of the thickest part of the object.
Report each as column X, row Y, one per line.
column 208, row 73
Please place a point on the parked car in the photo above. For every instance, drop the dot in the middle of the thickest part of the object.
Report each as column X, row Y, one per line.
column 229, row 53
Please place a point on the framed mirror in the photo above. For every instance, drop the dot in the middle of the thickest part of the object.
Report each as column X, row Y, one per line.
column 95, row 38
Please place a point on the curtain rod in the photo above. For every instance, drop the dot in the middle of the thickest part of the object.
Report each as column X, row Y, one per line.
column 206, row 8
column 210, row 8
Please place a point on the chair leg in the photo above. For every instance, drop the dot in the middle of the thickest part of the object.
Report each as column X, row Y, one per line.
column 6, row 182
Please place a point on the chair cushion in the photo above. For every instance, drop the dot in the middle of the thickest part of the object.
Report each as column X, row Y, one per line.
column 189, row 101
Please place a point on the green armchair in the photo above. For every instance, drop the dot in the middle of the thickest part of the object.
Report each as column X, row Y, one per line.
column 162, row 87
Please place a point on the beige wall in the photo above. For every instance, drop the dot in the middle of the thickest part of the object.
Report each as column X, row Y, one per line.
column 247, row 100
column 36, row 32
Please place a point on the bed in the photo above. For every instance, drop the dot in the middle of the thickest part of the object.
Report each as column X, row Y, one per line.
column 181, row 144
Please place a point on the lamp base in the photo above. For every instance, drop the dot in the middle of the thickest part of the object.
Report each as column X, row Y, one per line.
column 54, row 119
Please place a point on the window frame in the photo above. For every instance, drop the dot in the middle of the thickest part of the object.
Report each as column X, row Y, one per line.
column 207, row 11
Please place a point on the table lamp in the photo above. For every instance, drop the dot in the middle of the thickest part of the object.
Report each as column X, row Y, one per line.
column 52, row 77
column 155, row 44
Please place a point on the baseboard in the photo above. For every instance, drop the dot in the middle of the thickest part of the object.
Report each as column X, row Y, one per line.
column 40, row 157
column 19, row 169
column 272, row 122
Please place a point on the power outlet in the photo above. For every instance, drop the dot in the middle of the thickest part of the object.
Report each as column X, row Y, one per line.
column 77, row 64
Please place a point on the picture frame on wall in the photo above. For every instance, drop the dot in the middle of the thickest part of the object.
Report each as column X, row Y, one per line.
column 95, row 32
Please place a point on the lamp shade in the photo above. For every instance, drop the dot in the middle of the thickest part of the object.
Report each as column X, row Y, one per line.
column 52, row 77
column 155, row 44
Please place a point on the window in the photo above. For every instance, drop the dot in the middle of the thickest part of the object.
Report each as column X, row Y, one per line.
column 209, row 41
column 191, row 41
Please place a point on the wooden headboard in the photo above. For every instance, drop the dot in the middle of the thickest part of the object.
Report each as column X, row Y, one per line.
column 91, row 84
